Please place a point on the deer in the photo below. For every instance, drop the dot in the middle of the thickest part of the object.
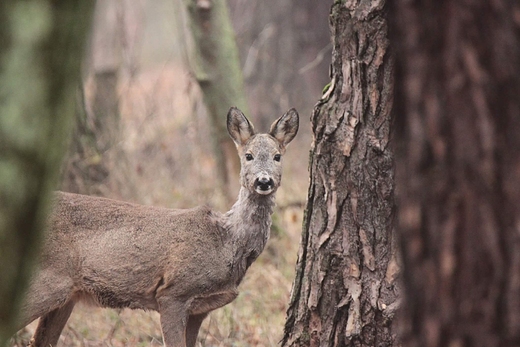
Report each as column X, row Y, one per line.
column 183, row 263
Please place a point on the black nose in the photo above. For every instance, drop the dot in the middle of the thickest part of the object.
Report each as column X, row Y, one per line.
column 264, row 183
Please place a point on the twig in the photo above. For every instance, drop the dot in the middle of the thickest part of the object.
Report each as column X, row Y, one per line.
column 317, row 60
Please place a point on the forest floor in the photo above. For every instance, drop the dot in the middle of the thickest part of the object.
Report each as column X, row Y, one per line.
column 163, row 158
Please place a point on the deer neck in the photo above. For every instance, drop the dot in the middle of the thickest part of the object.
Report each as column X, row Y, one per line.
column 248, row 224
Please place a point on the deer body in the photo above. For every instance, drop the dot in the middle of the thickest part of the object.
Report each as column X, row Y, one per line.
column 181, row 263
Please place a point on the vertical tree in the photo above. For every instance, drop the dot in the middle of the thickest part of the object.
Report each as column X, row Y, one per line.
column 216, row 67
column 345, row 292
column 458, row 115
column 96, row 127
column 42, row 45
column 284, row 46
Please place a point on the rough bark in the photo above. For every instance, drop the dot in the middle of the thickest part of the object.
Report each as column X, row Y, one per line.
column 457, row 110
column 42, row 45
column 345, row 292
column 216, row 66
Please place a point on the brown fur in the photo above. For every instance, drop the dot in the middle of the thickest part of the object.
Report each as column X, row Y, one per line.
column 181, row 263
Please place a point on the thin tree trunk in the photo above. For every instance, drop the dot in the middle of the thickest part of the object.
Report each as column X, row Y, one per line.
column 458, row 114
column 42, row 45
column 217, row 69
column 345, row 292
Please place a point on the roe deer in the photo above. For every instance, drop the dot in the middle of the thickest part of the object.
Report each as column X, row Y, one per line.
column 181, row 263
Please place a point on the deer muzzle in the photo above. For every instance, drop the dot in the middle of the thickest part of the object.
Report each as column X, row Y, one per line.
column 264, row 184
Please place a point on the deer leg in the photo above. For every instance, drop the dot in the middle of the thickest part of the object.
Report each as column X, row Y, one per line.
column 192, row 328
column 174, row 316
column 50, row 326
column 46, row 293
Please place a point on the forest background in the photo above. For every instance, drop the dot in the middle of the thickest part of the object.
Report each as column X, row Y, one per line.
column 138, row 138
column 143, row 135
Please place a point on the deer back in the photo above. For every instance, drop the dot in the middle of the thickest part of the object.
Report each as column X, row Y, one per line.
column 124, row 254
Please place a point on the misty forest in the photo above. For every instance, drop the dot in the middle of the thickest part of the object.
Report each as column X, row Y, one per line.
column 397, row 222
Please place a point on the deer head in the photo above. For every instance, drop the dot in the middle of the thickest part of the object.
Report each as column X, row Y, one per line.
column 261, row 154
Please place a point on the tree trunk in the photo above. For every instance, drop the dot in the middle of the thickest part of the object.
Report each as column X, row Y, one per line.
column 280, row 43
column 458, row 115
column 345, row 292
column 87, row 169
column 217, row 69
column 42, row 45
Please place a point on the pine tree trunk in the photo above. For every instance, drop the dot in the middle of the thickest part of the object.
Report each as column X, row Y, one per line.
column 458, row 115
column 345, row 292
column 42, row 45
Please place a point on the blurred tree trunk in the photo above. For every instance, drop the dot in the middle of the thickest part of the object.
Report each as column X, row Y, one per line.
column 458, row 117
column 96, row 132
column 42, row 45
column 345, row 292
column 217, row 69
column 284, row 46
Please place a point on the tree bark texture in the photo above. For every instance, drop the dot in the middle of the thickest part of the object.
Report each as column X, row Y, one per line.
column 216, row 67
column 458, row 115
column 345, row 292
column 42, row 45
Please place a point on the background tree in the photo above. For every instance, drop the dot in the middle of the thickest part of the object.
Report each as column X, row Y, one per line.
column 285, row 50
column 42, row 45
column 87, row 168
column 457, row 111
column 216, row 66
column 345, row 292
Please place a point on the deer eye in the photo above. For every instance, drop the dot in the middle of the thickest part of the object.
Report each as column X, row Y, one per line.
column 249, row 156
column 277, row 157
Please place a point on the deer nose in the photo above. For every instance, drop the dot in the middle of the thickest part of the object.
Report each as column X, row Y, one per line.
column 264, row 183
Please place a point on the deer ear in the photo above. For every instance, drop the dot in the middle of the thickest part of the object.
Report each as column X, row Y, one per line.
column 239, row 128
column 284, row 129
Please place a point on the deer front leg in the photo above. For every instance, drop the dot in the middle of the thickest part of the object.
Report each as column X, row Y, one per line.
column 174, row 317
column 200, row 308
column 192, row 328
